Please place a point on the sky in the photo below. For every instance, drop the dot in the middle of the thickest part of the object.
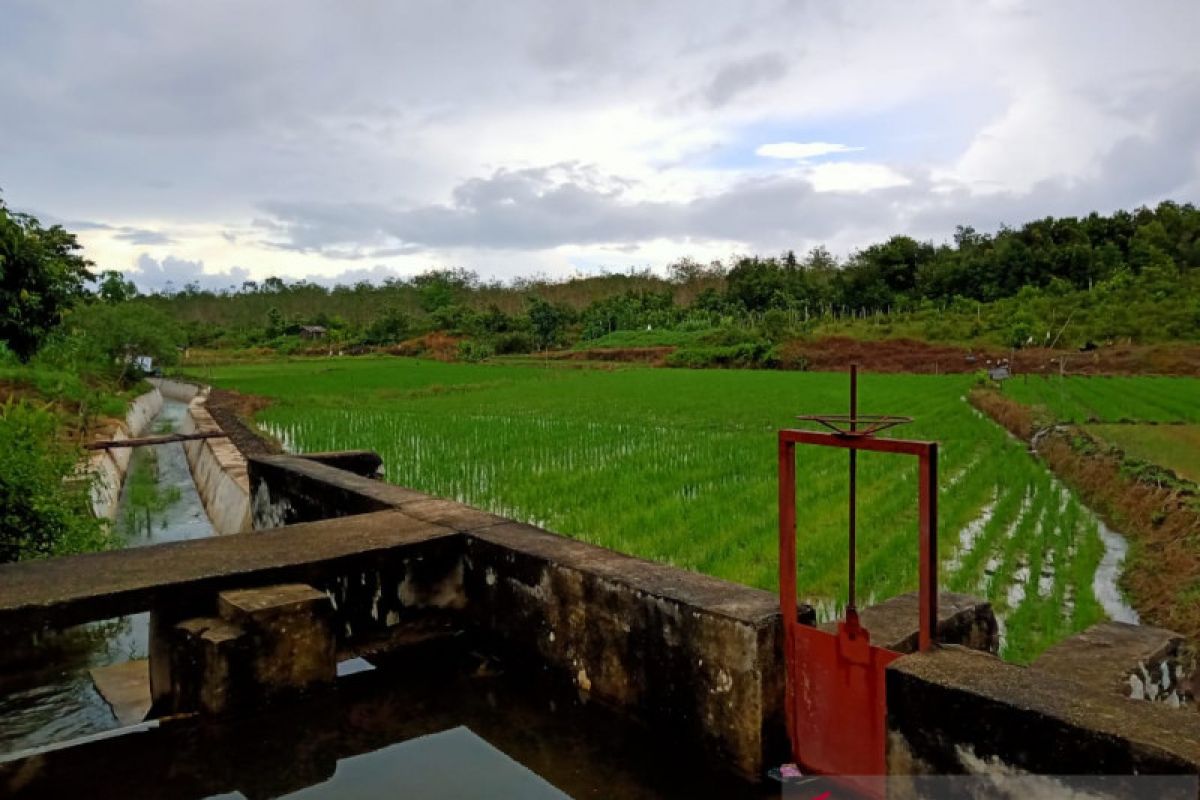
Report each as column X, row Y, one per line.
column 219, row 142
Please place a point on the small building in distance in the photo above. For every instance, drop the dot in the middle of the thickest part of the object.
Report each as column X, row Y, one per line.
column 312, row 331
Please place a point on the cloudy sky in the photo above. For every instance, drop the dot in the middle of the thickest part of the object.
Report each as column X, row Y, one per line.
column 224, row 141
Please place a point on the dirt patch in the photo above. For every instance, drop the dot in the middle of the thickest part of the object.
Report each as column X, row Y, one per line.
column 436, row 345
column 233, row 411
column 1162, row 571
column 910, row 355
column 885, row 355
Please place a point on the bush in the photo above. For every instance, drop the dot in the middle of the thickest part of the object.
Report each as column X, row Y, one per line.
column 513, row 343
column 745, row 355
column 44, row 510
column 474, row 350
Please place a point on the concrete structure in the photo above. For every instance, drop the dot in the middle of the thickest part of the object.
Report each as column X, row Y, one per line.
column 343, row 563
column 218, row 467
column 109, row 466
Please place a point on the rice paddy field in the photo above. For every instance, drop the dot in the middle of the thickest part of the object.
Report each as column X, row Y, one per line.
column 1110, row 399
column 679, row 466
column 1176, row 447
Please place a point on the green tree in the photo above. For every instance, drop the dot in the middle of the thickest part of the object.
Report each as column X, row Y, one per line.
column 41, row 277
column 116, row 335
column 547, row 321
column 115, row 288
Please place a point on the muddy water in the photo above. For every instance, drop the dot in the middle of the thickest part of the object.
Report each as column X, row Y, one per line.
column 46, row 693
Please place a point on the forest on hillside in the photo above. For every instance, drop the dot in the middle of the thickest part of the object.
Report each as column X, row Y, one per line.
column 1130, row 277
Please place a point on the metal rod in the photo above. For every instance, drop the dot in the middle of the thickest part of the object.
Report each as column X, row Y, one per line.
column 151, row 440
column 787, row 569
column 853, row 486
column 928, row 569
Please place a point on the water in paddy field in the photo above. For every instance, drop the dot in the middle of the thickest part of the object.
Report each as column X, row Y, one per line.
column 46, row 692
column 1104, row 585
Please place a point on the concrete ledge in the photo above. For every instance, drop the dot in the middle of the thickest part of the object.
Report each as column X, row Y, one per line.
column 962, row 619
column 1136, row 661
column 82, row 588
column 285, row 490
column 957, row 711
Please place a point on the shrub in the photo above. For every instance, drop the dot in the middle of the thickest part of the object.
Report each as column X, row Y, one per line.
column 43, row 510
column 745, row 355
column 517, row 342
column 474, row 350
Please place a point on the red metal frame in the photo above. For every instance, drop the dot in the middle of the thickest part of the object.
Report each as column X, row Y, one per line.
column 836, row 709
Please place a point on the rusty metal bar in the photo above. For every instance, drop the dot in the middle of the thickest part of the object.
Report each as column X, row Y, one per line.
column 852, row 605
column 929, row 551
column 904, row 446
column 787, row 568
column 153, row 440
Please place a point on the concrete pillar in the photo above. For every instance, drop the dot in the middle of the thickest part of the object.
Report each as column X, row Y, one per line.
column 294, row 644
column 266, row 643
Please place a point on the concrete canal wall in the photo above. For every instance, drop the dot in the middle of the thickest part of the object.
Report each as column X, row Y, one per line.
column 218, row 467
column 110, row 466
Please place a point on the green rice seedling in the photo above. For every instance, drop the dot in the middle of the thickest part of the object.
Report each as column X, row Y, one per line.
column 679, row 466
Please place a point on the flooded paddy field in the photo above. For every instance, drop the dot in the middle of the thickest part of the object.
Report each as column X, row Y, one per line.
column 679, row 466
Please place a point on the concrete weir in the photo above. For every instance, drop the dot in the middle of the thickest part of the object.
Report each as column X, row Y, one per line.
column 341, row 564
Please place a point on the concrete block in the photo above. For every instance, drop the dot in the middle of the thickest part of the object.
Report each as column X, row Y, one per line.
column 210, row 668
column 294, row 643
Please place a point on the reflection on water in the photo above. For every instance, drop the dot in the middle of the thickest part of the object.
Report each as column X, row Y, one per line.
column 436, row 721
column 46, row 693
column 451, row 765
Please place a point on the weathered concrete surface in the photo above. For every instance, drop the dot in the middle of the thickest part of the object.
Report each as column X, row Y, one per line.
column 292, row 625
column 219, row 470
column 126, row 689
column 267, row 643
column 1136, row 661
column 962, row 619
column 285, row 490
column 699, row 656
column 208, row 667
column 959, row 711
column 82, row 588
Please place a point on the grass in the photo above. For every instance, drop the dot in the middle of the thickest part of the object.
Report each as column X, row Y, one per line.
column 679, row 466
column 1087, row 399
column 1176, row 447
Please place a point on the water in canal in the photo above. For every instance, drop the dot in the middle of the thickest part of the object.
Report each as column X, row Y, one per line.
column 46, row 693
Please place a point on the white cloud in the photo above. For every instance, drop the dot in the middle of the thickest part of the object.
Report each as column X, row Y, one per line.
column 425, row 134
column 800, row 151
column 853, row 176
